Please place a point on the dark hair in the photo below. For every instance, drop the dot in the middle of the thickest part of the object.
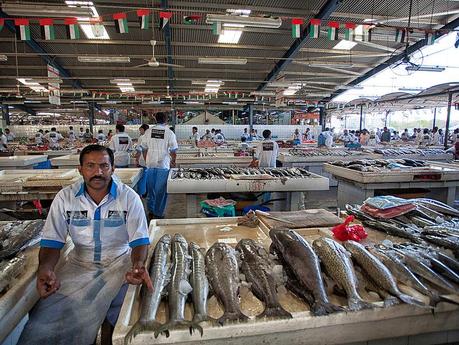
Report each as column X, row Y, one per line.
column 120, row 128
column 71, row 127
column 243, row 139
column 101, row 131
column 53, row 129
column 266, row 133
column 40, row 130
column 161, row 117
column 145, row 126
column 97, row 148
column 195, row 128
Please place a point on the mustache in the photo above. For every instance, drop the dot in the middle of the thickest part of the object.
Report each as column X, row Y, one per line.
column 97, row 178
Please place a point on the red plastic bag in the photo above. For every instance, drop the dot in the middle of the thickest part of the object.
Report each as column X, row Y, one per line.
column 345, row 232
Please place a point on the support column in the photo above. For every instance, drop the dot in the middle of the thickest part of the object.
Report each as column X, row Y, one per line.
column 250, row 118
column 435, row 118
column 6, row 114
column 91, row 117
column 232, row 111
column 448, row 118
column 322, row 118
column 361, row 117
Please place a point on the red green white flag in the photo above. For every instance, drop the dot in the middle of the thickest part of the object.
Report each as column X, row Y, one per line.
column 22, row 29
column 97, row 27
column 193, row 19
column 144, row 18
column 430, row 38
column 217, row 28
column 47, row 28
column 349, row 31
column 73, row 31
column 314, row 28
column 400, row 35
column 333, row 28
column 2, row 23
column 164, row 19
column 296, row 27
column 121, row 24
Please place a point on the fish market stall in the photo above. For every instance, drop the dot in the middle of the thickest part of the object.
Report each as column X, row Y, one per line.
column 289, row 181
column 361, row 179
column 294, row 322
column 49, row 153
column 212, row 160
column 66, row 162
column 21, row 162
column 425, row 153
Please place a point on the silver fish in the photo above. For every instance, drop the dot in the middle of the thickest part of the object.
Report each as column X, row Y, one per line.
column 10, row 269
column 200, row 286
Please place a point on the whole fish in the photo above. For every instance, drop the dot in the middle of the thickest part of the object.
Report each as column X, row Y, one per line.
column 257, row 269
column 440, row 267
column 339, row 267
column 15, row 235
column 437, row 206
column 223, row 273
column 179, row 287
column 10, row 269
column 367, row 284
column 159, row 275
column 304, row 263
column 395, row 230
column 377, row 271
column 200, row 286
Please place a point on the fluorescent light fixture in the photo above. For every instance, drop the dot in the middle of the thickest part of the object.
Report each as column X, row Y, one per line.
column 333, row 65
column 211, row 90
column 411, row 89
column 87, row 28
column 230, row 103
column 345, row 45
column 44, row 80
column 259, row 22
column 425, row 68
column 48, row 114
column 105, row 59
column 212, row 86
column 3, row 57
column 192, row 102
column 127, row 89
column 31, row 101
column 279, row 85
column 121, row 81
column 290, row 92
column 262, row 93
column 222, row 61
column 28, row 10
column 32, row 84
column 350, row 87
column 204, row 82
column 230, row 36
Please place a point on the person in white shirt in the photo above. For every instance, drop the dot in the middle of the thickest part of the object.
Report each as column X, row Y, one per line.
column 194, row 137
column 9, row 135
column 266, row 151
column 121, row 145
column 39, row 137
column 72, row 136
column 296, row 137
column 441, row 136
column 219, row 138
column 81, row 134
column 140, row 160
column 405, row 136
column 426, row 138
column 207, row 135
column 308, row 134
column 3, row 141
column 419, row 137
column 435, row 136
column 243, row 146
column 159, row 150
column 106, row 222
column 346, row 138
column 101, row 137
column 245, row 134
column 53, row 138
column 328, row 136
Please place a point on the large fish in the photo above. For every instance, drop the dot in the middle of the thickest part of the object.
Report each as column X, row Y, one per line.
column 339, row 267
column 179, row 287
column 437, row 206
column 257, row 269
column 159, row 275
column 304, row 263
column 15, row 235
column 223, row 273
column 200, row 286
column 377, row 271
column 10, row 269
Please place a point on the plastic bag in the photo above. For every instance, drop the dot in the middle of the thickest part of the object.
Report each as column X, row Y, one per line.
column 345, row 232
column 386, row 201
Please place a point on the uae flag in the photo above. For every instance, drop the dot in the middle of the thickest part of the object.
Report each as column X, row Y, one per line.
column 193, row 19
column 97, row 27
column 22, row 29
column 2, row 23
column 366, row 33
column 164, row 19
column 73, row 31
column 121, row 24
column 349, row 31
column 217, row 28
column 430, row 38
column 47, row 28
column 144, row 18
column 296, row 27
column 400, row 35
column 314, row 28
column 333, row 28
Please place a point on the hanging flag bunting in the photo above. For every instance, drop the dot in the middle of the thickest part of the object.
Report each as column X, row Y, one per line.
column 366, row 33
column 97, row 27
column 193, row 19
column 349, row 32
column 22, row 29
column 121, row 24
column 47, row 28
column 400, row 35
column 314, row 28
column 73, row 31
column 456, row 44
column 296, row 27
column 217, row 28
column 144, row 18
column 164, row 19
column 430, row 38
column 333, row 28
column 2, row 23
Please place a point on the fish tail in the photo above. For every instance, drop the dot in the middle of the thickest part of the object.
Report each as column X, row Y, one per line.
column 356, row 303
column 139, row 327
column 197, row 319
column 231, row 316
column 171, row 325
column 324, row 308
column 411, row 300
column 275, row 311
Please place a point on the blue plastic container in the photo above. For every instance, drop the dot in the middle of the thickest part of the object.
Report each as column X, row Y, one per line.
column 255, row 208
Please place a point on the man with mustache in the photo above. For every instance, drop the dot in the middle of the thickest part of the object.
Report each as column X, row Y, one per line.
column 106, row 222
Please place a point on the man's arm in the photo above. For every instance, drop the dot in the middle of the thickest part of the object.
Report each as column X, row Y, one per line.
column 47, row 282
column 173, row 158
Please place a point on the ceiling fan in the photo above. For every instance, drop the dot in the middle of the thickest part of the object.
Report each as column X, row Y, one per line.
column 152, row 62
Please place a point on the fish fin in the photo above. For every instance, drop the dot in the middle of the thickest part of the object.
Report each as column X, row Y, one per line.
column 411, row 300
column 276, row 311
column 324, row 308
column 197, row 319
column 231, row 316
column 185, row 287
column 171, row 325
column 139, row 327
column 355, row 303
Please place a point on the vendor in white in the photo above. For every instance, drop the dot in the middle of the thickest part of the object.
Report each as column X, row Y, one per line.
column 9, row 135
column 219, row 138
column 53, row 138
column 106, row 223
column 121, row 145
column 266, row 152
column 296, row 137
column 101, row 137
column 81, row 134
column 140, row 160
column 194, row 137
column 72, row 136
column 160, row 146
column 3, row 141
column 39, row 137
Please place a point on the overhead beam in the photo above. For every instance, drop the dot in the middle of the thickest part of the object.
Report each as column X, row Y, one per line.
column 411, row 49
column 299, row 43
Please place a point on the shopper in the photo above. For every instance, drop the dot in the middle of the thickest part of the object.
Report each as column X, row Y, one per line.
column 3, row 141
column 109, row 135
column 296, row 137
column 405, row 136
column 219, row 138
column 441, row 137
column 385, row 136
column 81, row 134
column 245, row 134
column 9, row 135
column 307, row 134
column 194, row 138
column 364, row 137
column 419, row 136
column 139, row 159
column 396, row 136
column 101, row 137
column 87, row 136
column 160, row 147
column 106, row 222
column 346, row 138
column 374, row 139
column 207, row 135
column 121, row 144
column 243, row 146
column 266, row 152
column 53, row 138
column 39, row 137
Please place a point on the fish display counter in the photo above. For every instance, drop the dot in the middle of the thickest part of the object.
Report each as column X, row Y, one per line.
column 361, row 179
column 289, row 181
column 212, row 242
column 422, row 153
column 49, row 153
column 21, row 162
column 212, row 160
column 66, row 161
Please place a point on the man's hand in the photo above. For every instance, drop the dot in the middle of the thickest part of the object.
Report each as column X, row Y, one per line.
column 138, row 275
column 47, row 283
column 173, row 164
